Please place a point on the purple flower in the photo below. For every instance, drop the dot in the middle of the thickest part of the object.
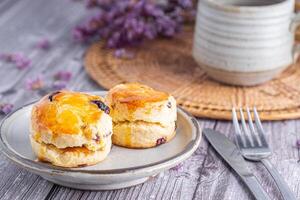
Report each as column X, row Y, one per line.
column 122, row 53
column 177, row 168
column 63, row 75
column 90, row 3
column 6, row 57
column 35, row 83
column 43, row 44
column 79, row 34
column 119, row 53
column 6, row 108
column 185, row 3
column 59, row 85
column 21, row 61
column 130, row 22
column 298, row 144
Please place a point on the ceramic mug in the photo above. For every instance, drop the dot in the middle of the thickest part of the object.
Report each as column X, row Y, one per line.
column 245, row 42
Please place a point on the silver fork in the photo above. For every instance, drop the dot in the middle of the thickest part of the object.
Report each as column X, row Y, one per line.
column 254, row 147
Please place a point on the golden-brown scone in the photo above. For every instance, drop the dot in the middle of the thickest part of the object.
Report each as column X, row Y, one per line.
column 142, row 117
column 142, row 134
column 134, row 102
column 65, row 120
column 70, row 156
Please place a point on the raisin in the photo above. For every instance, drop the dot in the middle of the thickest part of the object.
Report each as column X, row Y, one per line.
column 97, row 139
column 160, row 141
column 101, row 106
column 52, row 95
column 108, row 134
column 175, row 125
column 82, row 165
column 169, row 105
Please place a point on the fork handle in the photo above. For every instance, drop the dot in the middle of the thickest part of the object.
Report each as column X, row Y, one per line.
column 285, row 191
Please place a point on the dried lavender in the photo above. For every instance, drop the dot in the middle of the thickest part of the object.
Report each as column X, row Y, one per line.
column 123, row 53
column 43, row 44
column 20, row 61
column 63, row 75
column 129, row 22
column 35, row 83
column 7, row 57
column 298, row 144
column 177, row 168
column 61, row 79
column 59, row 85
column 6, row 108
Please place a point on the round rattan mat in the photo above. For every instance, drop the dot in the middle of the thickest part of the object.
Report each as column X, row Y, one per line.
column 168, row 65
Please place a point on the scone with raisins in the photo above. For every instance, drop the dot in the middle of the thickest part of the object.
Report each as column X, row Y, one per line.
column 71, row 129
column 142, row 117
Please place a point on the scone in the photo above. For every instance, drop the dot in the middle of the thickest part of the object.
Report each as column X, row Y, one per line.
column 142, row 117
column 71, row 129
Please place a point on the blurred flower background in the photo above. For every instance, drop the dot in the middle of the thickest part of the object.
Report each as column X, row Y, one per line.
column 122, row 23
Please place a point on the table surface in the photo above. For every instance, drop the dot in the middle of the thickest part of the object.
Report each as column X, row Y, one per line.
column 202, row 176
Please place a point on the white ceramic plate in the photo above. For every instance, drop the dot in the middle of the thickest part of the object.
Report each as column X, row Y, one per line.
column 122, row 168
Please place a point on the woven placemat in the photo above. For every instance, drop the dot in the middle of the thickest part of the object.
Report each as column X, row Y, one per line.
column 168, row 65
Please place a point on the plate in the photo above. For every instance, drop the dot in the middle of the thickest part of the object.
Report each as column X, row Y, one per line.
column 122, row 168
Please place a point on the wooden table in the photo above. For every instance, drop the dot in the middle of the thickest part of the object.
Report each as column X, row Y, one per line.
column 203, row 176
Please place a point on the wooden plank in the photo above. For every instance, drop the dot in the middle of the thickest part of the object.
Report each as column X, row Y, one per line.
column 5, row 5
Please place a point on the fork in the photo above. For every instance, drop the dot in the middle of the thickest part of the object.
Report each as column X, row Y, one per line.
column 254, row 147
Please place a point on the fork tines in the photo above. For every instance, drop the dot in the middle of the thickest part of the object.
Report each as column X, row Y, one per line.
column 249, row 135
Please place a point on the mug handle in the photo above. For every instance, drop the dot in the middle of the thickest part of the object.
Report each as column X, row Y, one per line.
column 293, row 26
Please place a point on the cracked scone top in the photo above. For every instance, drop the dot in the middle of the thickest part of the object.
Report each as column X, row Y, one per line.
column 71, row 123
column 142, row 117
column 134, row 102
